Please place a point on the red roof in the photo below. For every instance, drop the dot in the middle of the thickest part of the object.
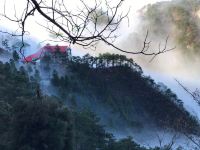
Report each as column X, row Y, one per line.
column 47, row 48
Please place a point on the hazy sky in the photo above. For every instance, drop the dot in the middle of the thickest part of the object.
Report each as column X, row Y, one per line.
column 38, row 32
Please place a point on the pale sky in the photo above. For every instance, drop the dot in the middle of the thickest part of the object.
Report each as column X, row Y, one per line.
column 38, row 32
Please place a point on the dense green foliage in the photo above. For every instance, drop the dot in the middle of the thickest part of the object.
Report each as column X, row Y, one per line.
column 31, row 123
column 119, row 82
column 40, row 124
column 15, row 56
column 14, row 83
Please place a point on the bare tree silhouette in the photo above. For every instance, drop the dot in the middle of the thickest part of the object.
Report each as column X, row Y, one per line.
column 85, row 26
column 196, row 97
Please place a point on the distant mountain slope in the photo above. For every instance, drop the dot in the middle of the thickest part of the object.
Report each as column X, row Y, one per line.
column 180, row 19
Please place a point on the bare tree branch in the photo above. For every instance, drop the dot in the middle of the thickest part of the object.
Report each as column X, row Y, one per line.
column 195, row 94
column 85, row 26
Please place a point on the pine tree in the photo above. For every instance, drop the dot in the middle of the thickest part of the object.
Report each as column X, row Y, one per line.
column 15, row 56
column 37, row 75
column 55, row 79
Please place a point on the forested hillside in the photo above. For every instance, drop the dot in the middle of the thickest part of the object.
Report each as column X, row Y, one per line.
column 180, row 19
column 29, row 122
column 70, row 117
column 119, row 84
column 55, row 96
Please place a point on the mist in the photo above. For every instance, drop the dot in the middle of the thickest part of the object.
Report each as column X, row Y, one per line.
column 180, row 64
column 164, row 68
column 176, row 64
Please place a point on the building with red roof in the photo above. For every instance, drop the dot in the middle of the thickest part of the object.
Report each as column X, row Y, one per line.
column 65, row 50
